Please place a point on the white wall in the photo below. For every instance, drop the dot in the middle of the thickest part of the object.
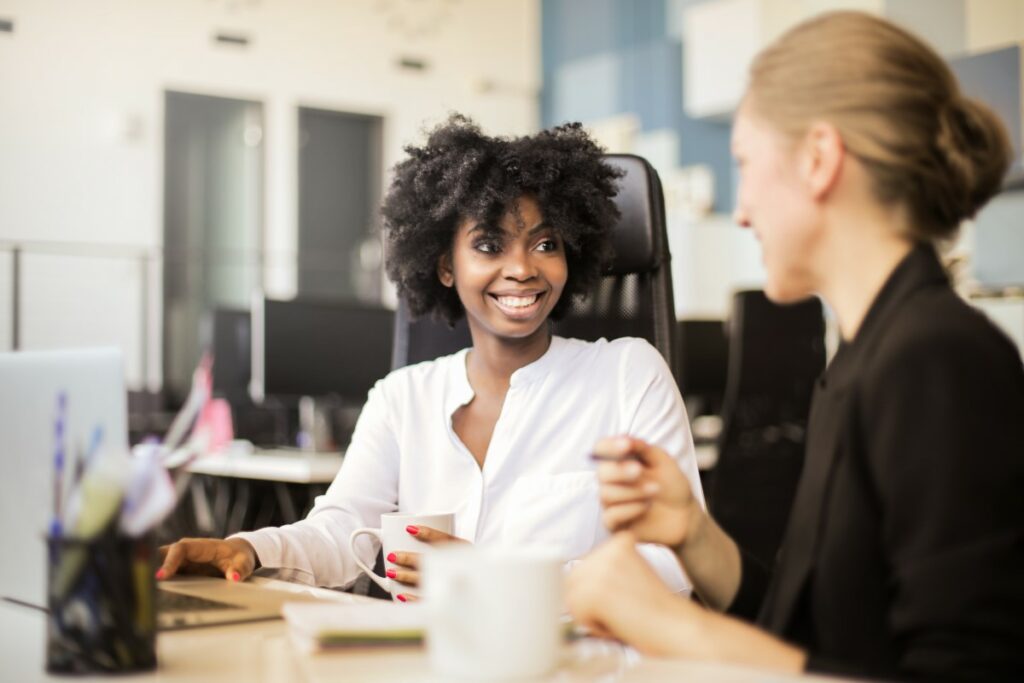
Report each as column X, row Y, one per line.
column 712, row 258
column 6, row 291
column 100, row 306
column 1008, row 314
column 991, row 24
column 81, row 112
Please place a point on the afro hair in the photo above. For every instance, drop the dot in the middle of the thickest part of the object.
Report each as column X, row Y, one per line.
column 461, row 173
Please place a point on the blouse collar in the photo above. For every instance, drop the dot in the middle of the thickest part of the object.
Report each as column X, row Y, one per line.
column 462, row 392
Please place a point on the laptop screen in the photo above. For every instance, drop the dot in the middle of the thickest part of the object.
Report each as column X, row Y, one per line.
column 91, row 382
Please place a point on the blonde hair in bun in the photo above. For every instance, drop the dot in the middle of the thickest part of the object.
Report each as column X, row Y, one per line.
column 899, row 111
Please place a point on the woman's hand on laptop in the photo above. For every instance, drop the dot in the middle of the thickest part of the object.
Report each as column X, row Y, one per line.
column 233, row 558
column 643, row 491
column 406, row 565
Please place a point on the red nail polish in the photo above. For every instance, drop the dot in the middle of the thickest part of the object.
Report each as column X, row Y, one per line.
column 391, row 558
column 160, row 574
column 234, row 576
column 401, row 598
column 391, row 573
column 412, row 529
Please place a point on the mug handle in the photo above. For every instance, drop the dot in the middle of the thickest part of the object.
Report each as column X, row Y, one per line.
column 381, row 581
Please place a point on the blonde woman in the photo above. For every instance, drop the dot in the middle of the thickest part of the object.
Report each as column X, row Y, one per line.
column 904, row 556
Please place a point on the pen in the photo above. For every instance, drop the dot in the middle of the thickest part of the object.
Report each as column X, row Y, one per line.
column 597, row 457
column 94, row 444
column 58, row 463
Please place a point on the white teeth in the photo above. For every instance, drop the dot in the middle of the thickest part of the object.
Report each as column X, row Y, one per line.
column 518, row 301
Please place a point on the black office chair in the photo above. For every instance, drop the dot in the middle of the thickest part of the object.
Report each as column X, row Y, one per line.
column 776, row 353
column 632, row 299
column 702, row 361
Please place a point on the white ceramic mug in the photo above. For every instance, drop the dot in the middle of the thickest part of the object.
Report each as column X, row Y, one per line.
column 493, row 613
column 394, row 538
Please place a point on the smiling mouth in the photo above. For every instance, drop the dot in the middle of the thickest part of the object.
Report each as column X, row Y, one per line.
column 518, row 306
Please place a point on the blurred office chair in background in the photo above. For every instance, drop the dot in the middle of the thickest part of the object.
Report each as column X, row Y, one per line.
column 632, row 299
column 776, row 353
column 702, row 363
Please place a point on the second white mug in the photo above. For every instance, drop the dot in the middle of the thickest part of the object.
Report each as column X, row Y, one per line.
column 493, row 613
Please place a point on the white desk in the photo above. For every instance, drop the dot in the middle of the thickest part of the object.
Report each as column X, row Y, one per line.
column 262, row 652
column 293, row 467
column 279, row 467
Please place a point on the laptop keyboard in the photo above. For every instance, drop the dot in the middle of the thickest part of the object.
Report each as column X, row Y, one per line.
column 168, row 601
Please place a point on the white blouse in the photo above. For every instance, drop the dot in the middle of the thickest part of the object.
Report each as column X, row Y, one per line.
column 537, row 485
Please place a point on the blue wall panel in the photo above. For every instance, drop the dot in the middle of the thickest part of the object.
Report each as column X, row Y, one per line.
column 606, row 57
column 577, row 29
column 587, row 89
column 638, row 22
column 652, row 84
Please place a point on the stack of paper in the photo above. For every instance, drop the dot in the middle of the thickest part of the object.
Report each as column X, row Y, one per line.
column 319, row 626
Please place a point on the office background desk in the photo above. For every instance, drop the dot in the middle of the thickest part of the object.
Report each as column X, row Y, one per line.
column 286, row 466
column 263, row 652
column 235, row 492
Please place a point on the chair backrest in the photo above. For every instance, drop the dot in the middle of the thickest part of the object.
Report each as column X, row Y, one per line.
column 703, row 361
column 776, row 353
column 633, row 298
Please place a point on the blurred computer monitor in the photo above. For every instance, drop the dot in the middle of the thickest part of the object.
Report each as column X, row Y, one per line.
column 231, row 343
column 318, row 348
column 998, row 259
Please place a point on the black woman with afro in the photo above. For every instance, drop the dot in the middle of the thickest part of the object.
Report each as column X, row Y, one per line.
column 503, row 231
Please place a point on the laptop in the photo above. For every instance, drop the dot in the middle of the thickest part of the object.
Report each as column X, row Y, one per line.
column 191, row 601
column 92, row 382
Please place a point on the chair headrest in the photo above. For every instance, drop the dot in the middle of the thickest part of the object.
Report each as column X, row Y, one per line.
column 637, row 236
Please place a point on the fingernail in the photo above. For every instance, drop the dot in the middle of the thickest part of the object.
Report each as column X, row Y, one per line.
column 412, row 529
column 391, row 573
column 632, row 469
column 651, row 487
column 401, row 598
column 160, row 574
column 234, row 576
column 391, row 558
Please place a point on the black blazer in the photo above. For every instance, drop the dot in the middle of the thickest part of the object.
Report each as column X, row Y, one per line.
column 904, row 553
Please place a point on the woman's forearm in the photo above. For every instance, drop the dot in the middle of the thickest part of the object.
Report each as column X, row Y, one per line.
column 712, row 561
column 682, row 629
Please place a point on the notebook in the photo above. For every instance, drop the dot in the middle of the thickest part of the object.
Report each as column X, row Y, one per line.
column 374, row 623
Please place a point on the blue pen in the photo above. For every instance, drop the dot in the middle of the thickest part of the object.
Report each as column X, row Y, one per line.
column 94, row 444
column 58, row 463
column 82, row 460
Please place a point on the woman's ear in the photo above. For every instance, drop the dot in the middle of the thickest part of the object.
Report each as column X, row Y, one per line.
column 823, row 154
column 444, row 270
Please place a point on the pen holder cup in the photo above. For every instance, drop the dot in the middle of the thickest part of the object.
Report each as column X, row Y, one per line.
column 102, row 604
